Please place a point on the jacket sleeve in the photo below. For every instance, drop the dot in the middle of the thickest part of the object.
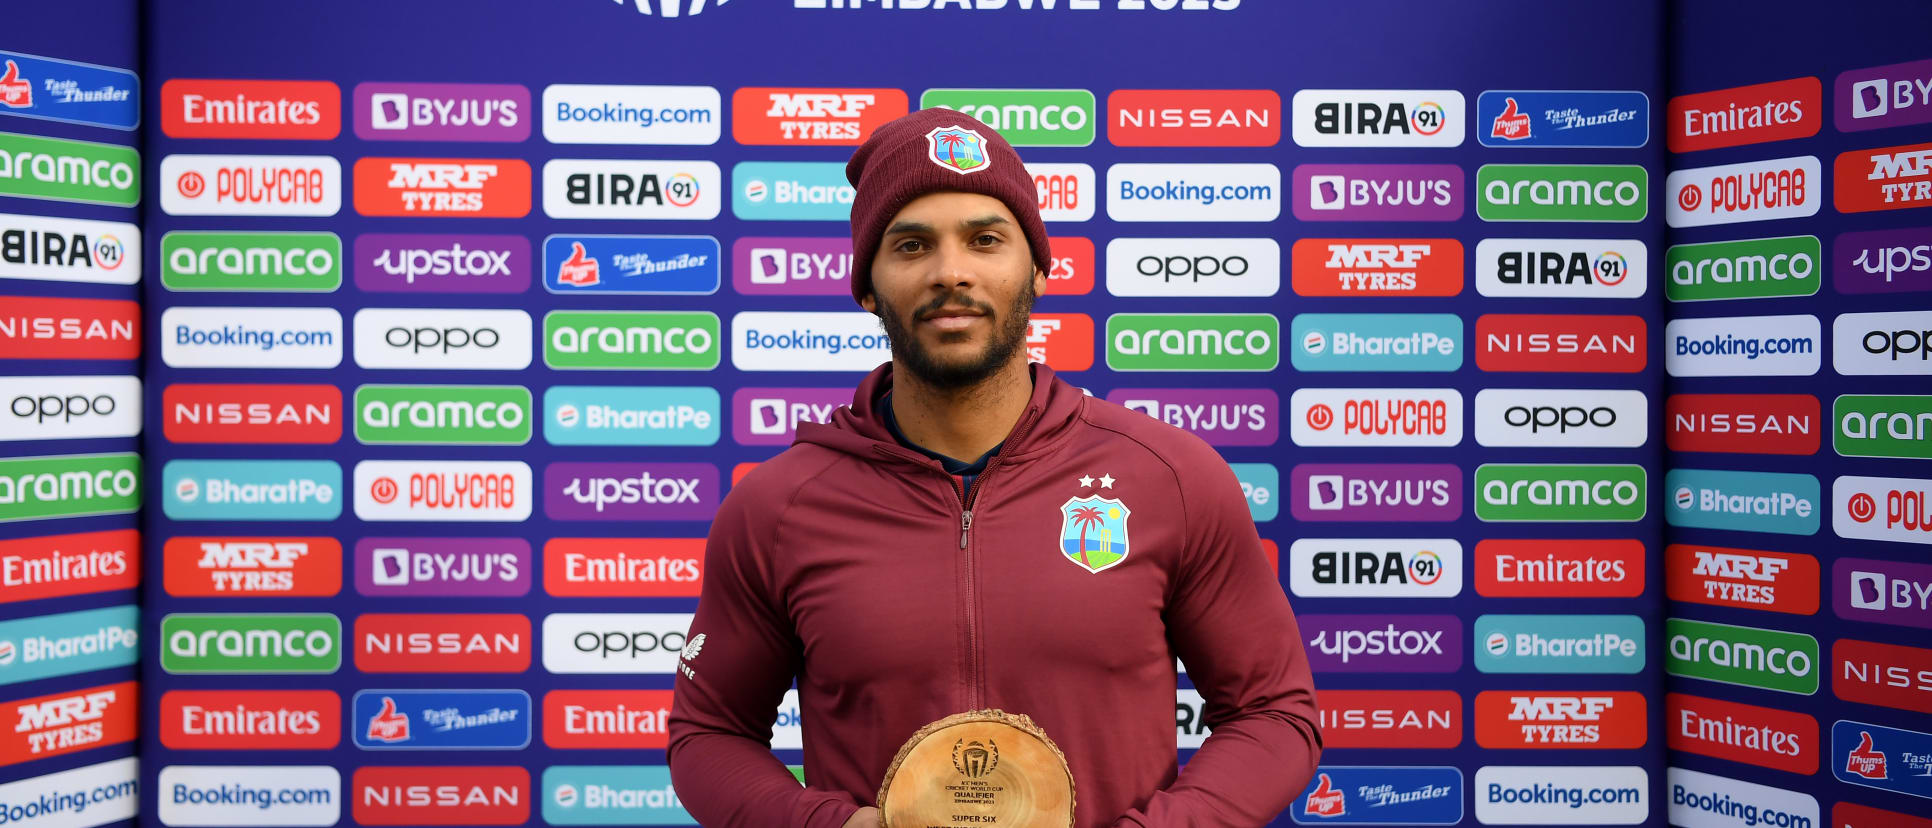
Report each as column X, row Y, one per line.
column 726, row 694
column 1229, row 622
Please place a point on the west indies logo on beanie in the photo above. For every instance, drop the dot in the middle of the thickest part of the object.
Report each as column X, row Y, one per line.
column 958, row 149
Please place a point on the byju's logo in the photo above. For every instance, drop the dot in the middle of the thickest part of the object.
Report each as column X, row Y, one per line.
column 1563, row 119
column 442, row 112
column 1559, row 644
column 400, row 719
column 1369, row 568
column 770, row 416
column 1897, row 94
column 599, row 415
column 575, row 113
column 790, row 266
column 1378, row 192
column 1383, row 643
column 1222, row 417
column 1562, row 268
column 252, row 489
column 397, row 567
column 630, row 491
column 1743, row 501
column 1376, row 342
column 1882, row 592
column 632, row 264
column 70, row 250
column 1379, row 118
column 1376, row 492
column 1778, row 188
column 407, row 263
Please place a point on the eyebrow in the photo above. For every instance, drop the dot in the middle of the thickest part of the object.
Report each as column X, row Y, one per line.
column 922, row 227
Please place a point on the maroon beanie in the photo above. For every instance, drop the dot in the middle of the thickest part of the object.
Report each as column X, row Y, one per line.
column 928, row 151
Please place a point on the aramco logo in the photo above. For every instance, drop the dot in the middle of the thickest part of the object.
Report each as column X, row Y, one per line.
column 671, row 8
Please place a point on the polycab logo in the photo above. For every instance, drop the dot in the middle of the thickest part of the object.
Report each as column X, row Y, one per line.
column 1376, row 417
column 606, row 719
column 1762, row 736
column 1742, row 423
column 1883, row 261
column 1067, row 192
column 443, row 490
column 80, row 563
column 1554, row 720
column 623, row 567
column 1567, row 568
column 443, row 567
column 256, row 109
column 1889, row 675
column 1776, row 111
column 1898, row 94
column 1560, row 342
column 252, row 567
column 221, row 413
column 791, row 266
column 576, row 188
column 768, row 116
column 1370, row 568
column 440, row 795
column 1562, row 268
column 32, row 327
column 1425, row 719
column 1377, row 267
column 576, row 113
column 1879, row 343
column 1535, row 417
column 1379, row 118
column 1383, row 643
column 1378, row 192
column 1744, row 578
column 1194, row 118
column 251, row 185
column 1882, row 592
column 1779, row 188
column 770, row 416
column 1222, row 417
column 473, row 643
column 68, row 722
column 251, row 719
column 448, row 187
column 1575, row 118
column 1885, row 178
column 1376, row 492
column 1881, row 508
column 442, row 112
column 70, row 250
column 1062, row 341
column 69, row 408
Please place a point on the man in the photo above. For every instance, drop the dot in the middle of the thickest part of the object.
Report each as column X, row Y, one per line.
column 973, row 532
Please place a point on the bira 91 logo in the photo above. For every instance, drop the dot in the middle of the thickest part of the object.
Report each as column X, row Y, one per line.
column 1559, row 644
column 623, row 567
column 1379, row 118
column 1377, row 267
column 220, row 413
column 1381, row 795
column 1742, row 423
column 1776, row 111
column 442, row 112
column 1375, row 417
column 1882, row 592
column 448, row 187
column 1889, row 675
column 1532, row 342
column 1425, row 719
column 767, row 116
column 1555, row 720
column 471, row 795
column 252, row 567
column 576, row 188
column 1568, row 568
column 481, row 567
column 442, row 490
column 1778, row 188
column 1368, row 568
column 69, row 721
column 33, row 327
column 1383, row 643
column 251, row 719
column 1378, row 192
column 1743, row 578
column 606, row 719
column 1762, row 736
column 1744, row 269
column 1885, row 178
column 1222, row 417
column 80, row 563
column 401, row 719
column 256, row 109
column 1881, row 508
column 1194, row 118
column 472, row 643
column 251, row 185
column 70, row 250
column 1562, row 268
column 1898, row 94
column 1376, row 492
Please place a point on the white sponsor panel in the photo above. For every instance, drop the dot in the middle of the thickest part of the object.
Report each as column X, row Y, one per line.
column 578, row 188
column 1376, row 417
column 1190, row 711
column 1894, row 343
column 1193, row 267
column 1375, row 568
column 440, row 339
column 1194, row 192
column 1882, row 509
column 788, row 732
column 613, row 642
column 585, row 113
column 831, row 341
column 1744, row 346
column 1066, row 191
column 1703, row 800
column 443, row 490
column 1562, row 268
column 243, row 337
column 1379, row 118
column 69, row 408
column 69, row 250
column 245, row 795
column 1567, row 417
column 1548, row 795
column 251, row 185
column 1776, row 188
column 79, row 798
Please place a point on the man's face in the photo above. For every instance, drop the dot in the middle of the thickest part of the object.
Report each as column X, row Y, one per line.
column 954, row 283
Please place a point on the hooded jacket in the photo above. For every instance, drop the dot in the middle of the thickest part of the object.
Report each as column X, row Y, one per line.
column 1097, row 546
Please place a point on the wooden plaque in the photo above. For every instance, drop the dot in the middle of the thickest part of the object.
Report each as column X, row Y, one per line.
column 985, row 768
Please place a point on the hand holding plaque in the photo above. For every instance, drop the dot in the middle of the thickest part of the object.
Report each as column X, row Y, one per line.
column 980, row 768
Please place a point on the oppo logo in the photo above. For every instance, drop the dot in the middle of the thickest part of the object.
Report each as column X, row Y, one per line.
column 419, row 339
column 1561, row 417
column 631, row 643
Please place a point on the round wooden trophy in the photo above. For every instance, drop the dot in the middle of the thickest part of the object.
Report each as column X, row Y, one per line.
column 980, row 768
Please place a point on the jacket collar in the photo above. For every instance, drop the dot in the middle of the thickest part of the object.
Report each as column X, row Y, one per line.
column 860, row 430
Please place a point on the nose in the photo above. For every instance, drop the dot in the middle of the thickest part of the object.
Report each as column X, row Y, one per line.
column 953, row 268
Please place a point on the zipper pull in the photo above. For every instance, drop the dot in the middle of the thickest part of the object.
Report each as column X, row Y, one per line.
column 965, row 526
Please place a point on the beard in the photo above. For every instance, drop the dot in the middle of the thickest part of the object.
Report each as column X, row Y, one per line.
column 1009, row 333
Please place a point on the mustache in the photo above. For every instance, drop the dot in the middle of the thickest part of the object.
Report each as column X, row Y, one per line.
column 951, row 301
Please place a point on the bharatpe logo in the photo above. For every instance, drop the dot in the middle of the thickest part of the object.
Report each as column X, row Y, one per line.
column 282, row 262
column 409, row 263
column 630, row 491
column 1893, row 343
column 1743, row 346
column 611, row 795
column 1898, row 94
column 1380, row 795
column 598, row 415
column 687, row 265
column 1873, row 425
column 61, row 170
column 1376, row 342
column 440, row 719
column 1563, row 119
column 575, row 113
column 791, row 191
column 1193, row 342
column 1259, row 484
column 63, row 90
column 66, row 643
column 1777, row 188
column 1379, row 118
column 1745, row 269
column 1742, row 501
column 1559, row 644
column 472, row 415
column 1378, row 192
column 1562, row 268
column 1883, row 261
column 1768, row 659
column 251, row 489
column 1376, row 492
column 255, row 644
column 70, row 250
column 1025, row 117
column 631, row 340
column 1508, row 492
column 442, row 567
column 1220, row 416
column 1562, row 192
column 71, row 485
column 1383, row 643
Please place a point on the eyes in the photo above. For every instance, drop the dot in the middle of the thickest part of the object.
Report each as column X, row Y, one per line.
column 915, row 244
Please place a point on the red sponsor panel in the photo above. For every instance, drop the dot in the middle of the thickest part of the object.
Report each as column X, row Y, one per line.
column 1562, row 719
column 627, row 719
column 1743, row 578
column 768, row 116
column 466, row 643
column 739, row 471
column 1882, row 178
column 1273, row 552
column 250, row 719
column 1390, row 718
column 623, row 567
column 1064, row 341
column 1376, row 267
column 251, row 567
column 32, row 327
column 1567, row 343
column 1194, row 118
column 1560, row 568
column 476, row 795
column 1887, row 675
column 68, row 722
column 450, row 187
column 1742, row 423
column 267, row 109
column 1762, row 736
column 1775, row 111
column 195, row 413
column 76, row 564
column 1853, row 815
column 1073, row 266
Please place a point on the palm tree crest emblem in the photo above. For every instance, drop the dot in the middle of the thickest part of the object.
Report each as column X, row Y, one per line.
column 1093, row 532
column 958, row 149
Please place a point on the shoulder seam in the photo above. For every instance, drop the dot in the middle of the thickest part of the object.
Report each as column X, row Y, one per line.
column 1179, row 487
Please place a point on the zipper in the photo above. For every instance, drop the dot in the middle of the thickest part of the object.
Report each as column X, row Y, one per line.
column 966, row 501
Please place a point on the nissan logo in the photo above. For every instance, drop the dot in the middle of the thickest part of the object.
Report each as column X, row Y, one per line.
column 632, row 644
column 1191, row 268
column 1561, row 418
column 444, row 339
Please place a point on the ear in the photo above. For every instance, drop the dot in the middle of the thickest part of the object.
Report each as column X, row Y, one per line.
column 870, row 301
column 1039, row 282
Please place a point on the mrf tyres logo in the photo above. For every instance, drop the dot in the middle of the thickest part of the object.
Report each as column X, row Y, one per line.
column 1749, row 656
column 1743, row 578
column 1377, row 267
column 1193, row 342
column 1884, row 178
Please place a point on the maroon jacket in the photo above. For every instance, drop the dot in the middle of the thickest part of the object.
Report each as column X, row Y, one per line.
column 854, row 564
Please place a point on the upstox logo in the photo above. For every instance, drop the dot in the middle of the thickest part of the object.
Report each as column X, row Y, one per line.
column 1743, row 269
column 1881, row 425
column 1562, row 192
column 632, row 340
column 1024, row 117
column 1507, row 492
column 473, row 415
column 69, row 485
column 791, row 191
column 309, row 642
column 1559, row 644
column 1193, row 342
column 287, row 262
column 1769, row 659
column 1787, row 504
column 59, row 170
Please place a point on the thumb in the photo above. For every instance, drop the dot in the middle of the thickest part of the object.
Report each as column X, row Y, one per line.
column 1325, row 786
column 576, row 253
column 13, row 73
column 1864, row 742
column 388, row 708
column 1509, row 107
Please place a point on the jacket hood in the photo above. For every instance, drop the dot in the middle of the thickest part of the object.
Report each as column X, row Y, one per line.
column 860, row 430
